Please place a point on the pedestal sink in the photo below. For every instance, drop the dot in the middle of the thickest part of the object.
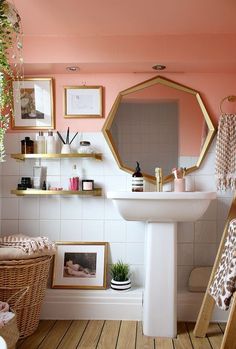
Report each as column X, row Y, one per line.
column 161, row 211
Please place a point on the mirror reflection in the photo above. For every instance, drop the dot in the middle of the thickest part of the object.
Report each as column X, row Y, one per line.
column 159, row 124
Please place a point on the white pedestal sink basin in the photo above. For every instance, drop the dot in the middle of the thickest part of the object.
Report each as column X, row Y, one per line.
column 161, row 211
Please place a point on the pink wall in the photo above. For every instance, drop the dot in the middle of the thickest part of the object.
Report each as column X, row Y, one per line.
column 212, row 87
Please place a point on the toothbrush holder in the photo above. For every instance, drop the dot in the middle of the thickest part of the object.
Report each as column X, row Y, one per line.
column 65, row 149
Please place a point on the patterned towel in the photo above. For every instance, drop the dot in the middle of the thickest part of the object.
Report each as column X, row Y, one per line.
column 27, row 244
column 224, row 283
column 225, row 167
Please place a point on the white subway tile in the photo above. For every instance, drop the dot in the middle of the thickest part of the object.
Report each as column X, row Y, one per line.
column 115, row 231
column 185, row 254
column 29, row 227
column 29, row 208
column 116, row 252
column 111, row 211
column 206, row 232
column 71, row 207
column 185, row 232
column 114, row 183
column 135, row 231
column 204, row 254
column 183, row 273
column 50, row 208
column 93, row 208
column 50, row 228
column 71, row 230
column 223, row 205
column 10, row 166
column 12, row 143
column 9, row 183
column 10, row 208
column 205, row 183
column 93, row 230
column 135, row 253
column 137, row 275
column 9, row 226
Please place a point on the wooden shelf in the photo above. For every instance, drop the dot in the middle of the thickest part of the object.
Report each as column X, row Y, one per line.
column 95, row 192
column 97, row 156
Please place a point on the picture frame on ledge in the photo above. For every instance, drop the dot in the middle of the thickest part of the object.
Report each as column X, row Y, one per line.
column 83, row 101
column 33, row 101
column 80, row 265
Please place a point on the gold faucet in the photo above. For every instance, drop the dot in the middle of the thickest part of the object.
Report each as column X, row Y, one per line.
column 159, row 179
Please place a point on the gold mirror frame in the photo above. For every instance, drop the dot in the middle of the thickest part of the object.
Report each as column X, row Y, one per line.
column 163, row 81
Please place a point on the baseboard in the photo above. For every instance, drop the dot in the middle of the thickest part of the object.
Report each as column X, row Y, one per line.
column 113, row 305
column 92, row 304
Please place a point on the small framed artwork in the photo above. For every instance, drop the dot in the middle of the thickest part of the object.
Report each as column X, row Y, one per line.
column 83, row 102
column 33, row 104
column 80, row 265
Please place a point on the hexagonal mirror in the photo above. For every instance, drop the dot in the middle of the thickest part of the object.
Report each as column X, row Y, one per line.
column 159, row 123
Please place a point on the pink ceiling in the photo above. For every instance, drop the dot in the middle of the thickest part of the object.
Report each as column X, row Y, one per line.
column 129, row 36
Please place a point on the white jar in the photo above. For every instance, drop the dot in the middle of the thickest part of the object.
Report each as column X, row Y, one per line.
column 41, row 145
column 51, row 143
column 85, row 148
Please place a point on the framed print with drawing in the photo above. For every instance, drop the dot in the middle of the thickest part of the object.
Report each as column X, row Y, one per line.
column 33, row 104
column 83, row 101
column 80, row 265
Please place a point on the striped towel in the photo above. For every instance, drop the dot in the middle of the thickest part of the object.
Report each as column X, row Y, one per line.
column 27, row 244
column 225, row 167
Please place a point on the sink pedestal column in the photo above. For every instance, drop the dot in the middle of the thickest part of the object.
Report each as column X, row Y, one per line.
column 160, row 292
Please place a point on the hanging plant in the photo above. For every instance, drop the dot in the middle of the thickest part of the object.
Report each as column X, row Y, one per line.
column 10, row 46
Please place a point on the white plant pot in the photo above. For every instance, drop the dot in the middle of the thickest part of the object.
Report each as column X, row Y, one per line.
column 65, row 149
column 121, row 285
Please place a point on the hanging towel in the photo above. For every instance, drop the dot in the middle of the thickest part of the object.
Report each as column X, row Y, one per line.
column 224, row 283
column 225, row 168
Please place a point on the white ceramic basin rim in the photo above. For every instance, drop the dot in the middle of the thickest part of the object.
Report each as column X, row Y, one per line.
column 161, row 206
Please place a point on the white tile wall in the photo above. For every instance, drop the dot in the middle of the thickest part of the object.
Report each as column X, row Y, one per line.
column 96, row 219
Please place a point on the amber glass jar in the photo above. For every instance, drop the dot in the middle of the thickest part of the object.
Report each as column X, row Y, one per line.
column 27, row 146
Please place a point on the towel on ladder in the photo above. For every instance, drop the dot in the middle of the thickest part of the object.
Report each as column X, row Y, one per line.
column 225, row 166
column 224, row 283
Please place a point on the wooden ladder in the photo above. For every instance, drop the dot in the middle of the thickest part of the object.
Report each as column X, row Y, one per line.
column 208, row 303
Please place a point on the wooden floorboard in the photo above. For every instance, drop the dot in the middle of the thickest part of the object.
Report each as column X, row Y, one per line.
column 215, row 335
column 92, row 334
column 127, row 335
column 99, row 334
column 109, row 335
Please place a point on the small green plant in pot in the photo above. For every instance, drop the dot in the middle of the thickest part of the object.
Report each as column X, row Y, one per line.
column 120, row 273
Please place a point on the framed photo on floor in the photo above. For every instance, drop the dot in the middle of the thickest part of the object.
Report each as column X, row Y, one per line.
column 83, row 102
column 33, row 104
column 80, row 265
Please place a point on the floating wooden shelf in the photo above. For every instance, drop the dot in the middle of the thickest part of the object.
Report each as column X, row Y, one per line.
column 95, row 192
column 97, row 156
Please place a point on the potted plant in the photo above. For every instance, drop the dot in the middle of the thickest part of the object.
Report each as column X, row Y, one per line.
column 120, row 273
column 11, row 46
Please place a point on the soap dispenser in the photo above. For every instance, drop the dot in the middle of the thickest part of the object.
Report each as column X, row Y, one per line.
column 137, row 179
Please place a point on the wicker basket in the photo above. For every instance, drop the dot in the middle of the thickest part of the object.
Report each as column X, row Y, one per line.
column 18, row 274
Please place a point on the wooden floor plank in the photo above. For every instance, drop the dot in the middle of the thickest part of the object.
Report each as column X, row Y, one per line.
column 38, row 336
column 109, row 335
column 164, row 343
column 91, row 335
column 55, row 335
column 143, row 342
column 198, row 343
column 73, row 335
column 215, row 335
column 183, row 340
column 127, row 335
column 222, row 326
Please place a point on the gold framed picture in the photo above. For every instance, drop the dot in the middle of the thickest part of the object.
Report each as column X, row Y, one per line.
column 80, row 265
column 33, row 104
column 83, row 102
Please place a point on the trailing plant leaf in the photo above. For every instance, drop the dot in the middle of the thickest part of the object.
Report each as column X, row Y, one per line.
column 10, row 32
